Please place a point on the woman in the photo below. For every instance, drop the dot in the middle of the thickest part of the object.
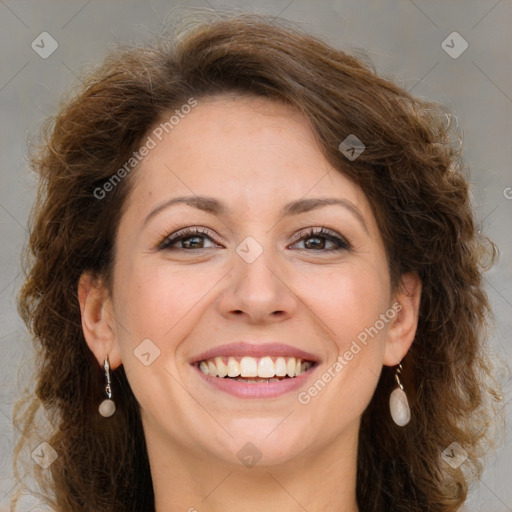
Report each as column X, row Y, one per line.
column 255, row 284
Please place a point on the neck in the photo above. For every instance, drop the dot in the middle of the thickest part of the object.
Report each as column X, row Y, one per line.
column 195, row 482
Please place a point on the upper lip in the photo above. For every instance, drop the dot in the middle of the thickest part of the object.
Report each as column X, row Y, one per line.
column 242, row 348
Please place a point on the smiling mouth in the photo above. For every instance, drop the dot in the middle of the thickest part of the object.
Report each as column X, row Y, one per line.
column 254, row 369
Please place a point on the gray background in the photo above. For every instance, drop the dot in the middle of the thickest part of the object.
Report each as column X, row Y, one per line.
column 402, row 37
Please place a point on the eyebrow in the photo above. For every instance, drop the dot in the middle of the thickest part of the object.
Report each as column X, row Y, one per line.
column 216, row 207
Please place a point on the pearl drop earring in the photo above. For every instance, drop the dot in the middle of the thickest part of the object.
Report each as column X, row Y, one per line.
column 398, row 403
column 107, row 408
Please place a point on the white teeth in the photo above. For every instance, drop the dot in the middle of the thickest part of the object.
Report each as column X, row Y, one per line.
column 233, row 367
column 263, row 368
column 290, row 367
column 281, row 367
column 248, row 367
column 222, row 369
column 212, row 369
column 266, row 368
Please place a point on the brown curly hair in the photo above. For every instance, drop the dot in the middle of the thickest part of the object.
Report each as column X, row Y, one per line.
column 414, row 180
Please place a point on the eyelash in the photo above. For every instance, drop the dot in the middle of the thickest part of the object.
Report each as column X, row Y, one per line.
column 341, row 243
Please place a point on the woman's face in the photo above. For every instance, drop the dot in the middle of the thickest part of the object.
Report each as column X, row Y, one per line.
column 255, row 290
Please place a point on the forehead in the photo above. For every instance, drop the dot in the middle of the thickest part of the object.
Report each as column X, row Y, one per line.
column 245, row 149
column 222, row 125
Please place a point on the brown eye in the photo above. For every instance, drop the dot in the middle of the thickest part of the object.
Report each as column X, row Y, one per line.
column 323, row 240
column 187, row 239
column 315, row 242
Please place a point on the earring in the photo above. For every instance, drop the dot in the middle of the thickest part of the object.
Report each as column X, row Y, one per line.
column 107, row 407
column 398, row 403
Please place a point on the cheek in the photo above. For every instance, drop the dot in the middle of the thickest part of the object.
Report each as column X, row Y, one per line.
column 348, row 300
column 156, row 310
column 155, row 300
column 350, row 308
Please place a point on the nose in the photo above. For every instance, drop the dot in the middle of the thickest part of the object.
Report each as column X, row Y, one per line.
column 258, row 292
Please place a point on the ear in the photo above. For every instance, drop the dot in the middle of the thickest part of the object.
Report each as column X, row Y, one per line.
column 403, row 326
column 98, row 321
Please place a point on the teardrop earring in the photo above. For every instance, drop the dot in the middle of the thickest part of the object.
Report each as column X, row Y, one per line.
column 398, row 403
column 107, row 408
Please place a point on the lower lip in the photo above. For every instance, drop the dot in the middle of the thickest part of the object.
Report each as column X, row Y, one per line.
column 255, row 389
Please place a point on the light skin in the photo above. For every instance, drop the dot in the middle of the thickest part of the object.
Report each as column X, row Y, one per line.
column 254, row 156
